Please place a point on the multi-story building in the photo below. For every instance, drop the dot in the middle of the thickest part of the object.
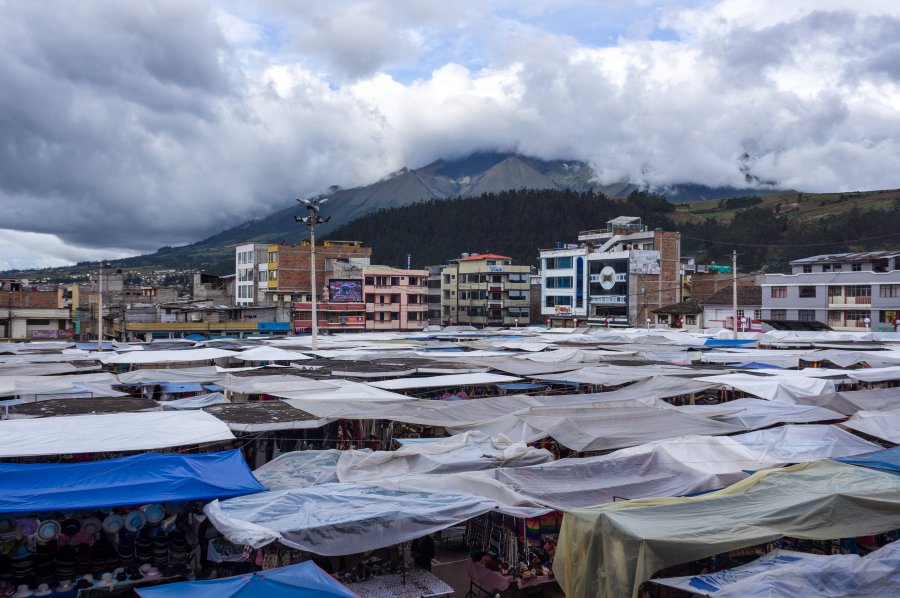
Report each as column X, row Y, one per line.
column 485, row 290
column 433, row 294
column 395, row 299
column 617, row 275
column 250, row 272
column 841, row 290
column 288, row 271
column 29, row 314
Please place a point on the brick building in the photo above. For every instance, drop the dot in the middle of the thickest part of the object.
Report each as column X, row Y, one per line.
column 31, row 314
column 288, row 268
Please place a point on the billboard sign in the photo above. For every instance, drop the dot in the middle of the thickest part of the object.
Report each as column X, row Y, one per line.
column 345, row 291
column 644, row 262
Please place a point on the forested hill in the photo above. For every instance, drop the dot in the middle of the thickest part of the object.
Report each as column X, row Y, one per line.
column 766, row 234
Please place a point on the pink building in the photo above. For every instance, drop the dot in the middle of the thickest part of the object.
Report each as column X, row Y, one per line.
column 395, row 298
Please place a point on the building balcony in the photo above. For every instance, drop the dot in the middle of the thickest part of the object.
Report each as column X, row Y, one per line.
column 841, row 301
column 620, row 277
column 609, row 299
column 330, row 306
column 392, row 307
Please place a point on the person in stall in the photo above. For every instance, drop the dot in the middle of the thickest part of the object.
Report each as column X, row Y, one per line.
column 422, row 550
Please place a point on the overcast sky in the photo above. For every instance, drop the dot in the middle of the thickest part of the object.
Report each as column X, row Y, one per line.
column 125, row 126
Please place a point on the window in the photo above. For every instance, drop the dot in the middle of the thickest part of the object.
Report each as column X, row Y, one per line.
column 889, row 291
column 835, row 292
column 757, row 314
column 808, row 292
column 807, row 268
column 856, row 267
column 779, row 292
column 273, row 257
column 517, row 295
column 806, row 315
column 826, row 267
column 395, row 280
column 859, row 290
column 662, row 319
column 552, row 263
column 836, row 267
column 554, row 300
column 370, row 297
column 888, row 317
column 446, row 279
column 370, row 280
column 518, row 277
column 740, row 313
column 559, row 282
column 856, row 318
column 263, row 276
column 690, row 320
column 395, row 298
column 778, row 314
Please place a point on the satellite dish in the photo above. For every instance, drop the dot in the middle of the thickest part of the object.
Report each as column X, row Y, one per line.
column 607, row 278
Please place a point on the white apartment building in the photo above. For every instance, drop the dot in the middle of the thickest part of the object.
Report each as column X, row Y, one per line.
column 840, row 290
column 616, row 275
column 250, row 271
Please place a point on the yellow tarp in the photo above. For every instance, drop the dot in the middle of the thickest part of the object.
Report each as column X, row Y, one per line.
column 610, row 550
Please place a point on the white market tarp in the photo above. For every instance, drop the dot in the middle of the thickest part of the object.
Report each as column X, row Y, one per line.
column 849, row 402
column 875, row 374
column 448, row 381
column 270, row 354
column 341, row 390
column 275, row 383
column 165, row 356
column 113, row 432
column 300, row 469
column 339, row 519
column 790, row 573
column 604, row 426
column 608, row 551
column 880, row 424
column 195, row 402
column 781, row 389
column 464, row 452
column 170, row 376
column 752, row 414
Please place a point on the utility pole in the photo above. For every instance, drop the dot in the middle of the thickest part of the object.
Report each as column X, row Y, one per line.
column 734, row 322
column 312, row 219
column 100, row 311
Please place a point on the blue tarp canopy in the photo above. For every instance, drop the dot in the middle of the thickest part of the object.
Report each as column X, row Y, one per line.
column 176, row 388
column 135, row 480
column 886, row 460
column 755, row 365
column 213, row 387
column 727, row 342
column 92, row 346
column 296, row 581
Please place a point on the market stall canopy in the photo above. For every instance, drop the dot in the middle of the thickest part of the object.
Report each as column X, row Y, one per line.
column 82, row 406
column 448, row 381
column 197, row 402
column 37, row 387
column 790, row 573
column 340, row 390
column 276, row 383
column 880, row 424
column 849, row 402
column 174, row 376
column 876, row 374
column 338, row 519
column 114, row 432
column 303, row 580
column 611, row 549
column 270, row 354
column 886, row 460
column 752, row 414
column 264, row 416
column 135, row 480
column 781, row 388
column 166, row 356
column 677, row 466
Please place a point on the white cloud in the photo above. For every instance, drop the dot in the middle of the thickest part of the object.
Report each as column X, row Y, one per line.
column 141, row 125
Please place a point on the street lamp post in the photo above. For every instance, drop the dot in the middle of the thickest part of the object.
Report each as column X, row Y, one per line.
column 312, row 219
column 100, row 311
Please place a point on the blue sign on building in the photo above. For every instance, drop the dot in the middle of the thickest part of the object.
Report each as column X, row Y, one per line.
column 274, row 326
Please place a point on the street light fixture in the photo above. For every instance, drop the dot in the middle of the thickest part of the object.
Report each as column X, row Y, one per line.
column 100, row 310
column 312, row 219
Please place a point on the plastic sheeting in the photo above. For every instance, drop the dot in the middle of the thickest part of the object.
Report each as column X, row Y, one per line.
column 134, row 480
column 610, row 550
column 338, row 519
column 197, row 402
column 112, row 432
column 880, row 424
column 303, row 580
column 270, row 354
column 849, row 402
column 781, row 388
column 752, row 414
column 464, row 452
column 876, row 374
column 343, row 390
column 154, row 376
column 604, row 426
column 789, row 573
column 149, row 356
column 35, row 387
column 300, row 469
column 255, row 385
column 886, row 460
column 448, row 381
